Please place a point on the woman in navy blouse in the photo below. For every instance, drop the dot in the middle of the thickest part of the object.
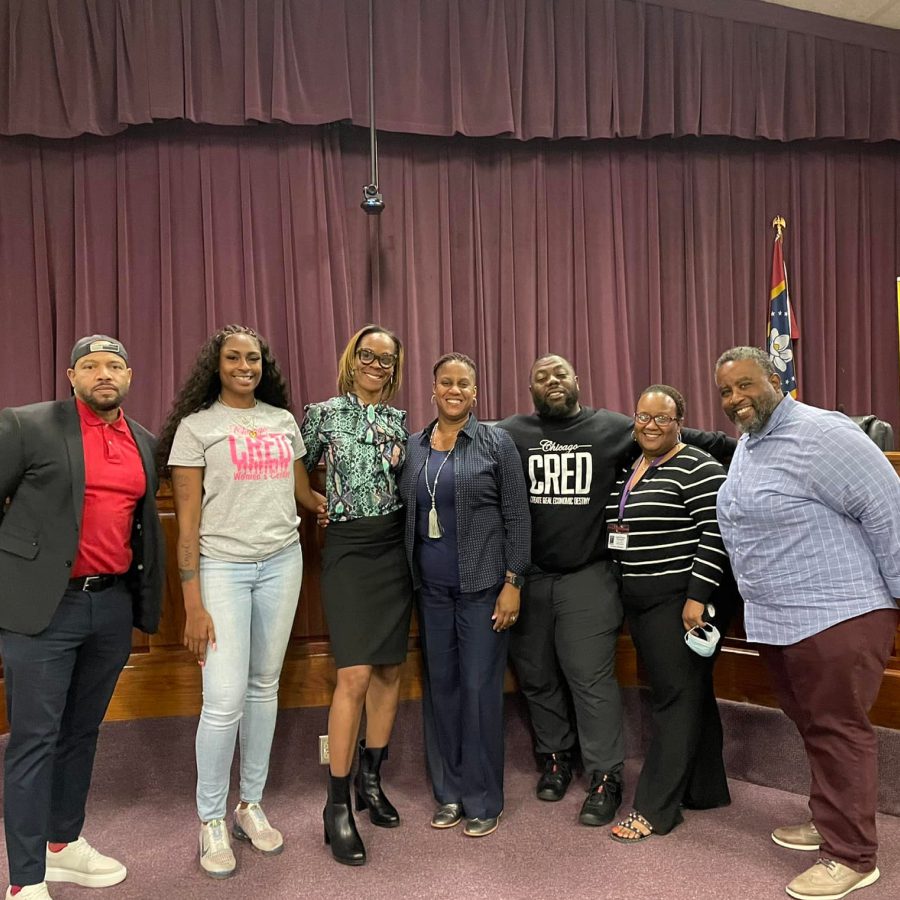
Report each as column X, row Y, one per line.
column 468, row 539
column 366, row 591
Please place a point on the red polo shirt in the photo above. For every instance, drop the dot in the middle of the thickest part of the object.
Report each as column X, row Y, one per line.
column 114, row 481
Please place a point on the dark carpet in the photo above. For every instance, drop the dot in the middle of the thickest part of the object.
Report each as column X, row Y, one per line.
column 142, row 811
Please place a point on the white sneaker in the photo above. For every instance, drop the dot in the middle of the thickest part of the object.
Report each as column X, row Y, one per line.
column 251, row 825
column 31, row 892
column 80, row 863
column 216, row 857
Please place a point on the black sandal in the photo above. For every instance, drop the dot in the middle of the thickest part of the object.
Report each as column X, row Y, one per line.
column 628, row 822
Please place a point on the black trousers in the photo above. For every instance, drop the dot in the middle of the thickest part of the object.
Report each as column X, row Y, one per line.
column 563, row 649
column 58, row 686
column 465, row 661
column 683, row 764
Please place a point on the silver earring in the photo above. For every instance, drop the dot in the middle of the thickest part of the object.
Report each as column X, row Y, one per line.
column 474, row 401
column 633, row 435
column 432, row 398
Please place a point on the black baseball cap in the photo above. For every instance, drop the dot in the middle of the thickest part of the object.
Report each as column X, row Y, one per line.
column 97, row 343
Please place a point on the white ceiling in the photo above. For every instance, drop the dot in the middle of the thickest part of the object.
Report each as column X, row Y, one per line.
column 885, row 13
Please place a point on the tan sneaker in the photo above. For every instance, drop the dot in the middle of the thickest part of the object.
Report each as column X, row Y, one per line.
column 251, row 825
column 798, row 837
column 79, row 863
column 829, row 880
column 216, row 856
column 31, row 892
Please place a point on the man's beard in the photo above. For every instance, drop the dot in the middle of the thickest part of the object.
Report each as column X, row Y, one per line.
column 556, row 410
column 105, row 405
column 762, row 412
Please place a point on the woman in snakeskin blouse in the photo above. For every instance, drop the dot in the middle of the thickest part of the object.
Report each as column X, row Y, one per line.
column 366, row 589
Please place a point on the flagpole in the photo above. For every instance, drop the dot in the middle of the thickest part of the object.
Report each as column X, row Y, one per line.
column 779, row 225
column 782, row 328
column 898, row 316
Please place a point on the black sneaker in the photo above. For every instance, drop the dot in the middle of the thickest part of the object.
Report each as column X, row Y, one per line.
column 557, row 777
column 603, row 799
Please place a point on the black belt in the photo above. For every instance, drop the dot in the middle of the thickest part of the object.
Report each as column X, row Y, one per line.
column 93, row 583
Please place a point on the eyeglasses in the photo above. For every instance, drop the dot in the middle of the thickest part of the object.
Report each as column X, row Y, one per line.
column 662, row 421
column 385, row 360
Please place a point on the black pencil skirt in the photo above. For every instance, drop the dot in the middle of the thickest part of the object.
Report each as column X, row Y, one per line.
column 367, row 591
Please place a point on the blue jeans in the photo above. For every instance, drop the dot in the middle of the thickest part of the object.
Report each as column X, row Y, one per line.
column 252, row 606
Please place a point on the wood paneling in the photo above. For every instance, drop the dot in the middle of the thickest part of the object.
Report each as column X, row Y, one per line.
column 162, row 679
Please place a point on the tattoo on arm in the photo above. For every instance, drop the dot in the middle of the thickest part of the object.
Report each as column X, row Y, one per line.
column 187, row 489
column 187, row 562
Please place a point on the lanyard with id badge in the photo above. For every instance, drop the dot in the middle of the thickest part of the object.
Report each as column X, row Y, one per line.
column 617, row 538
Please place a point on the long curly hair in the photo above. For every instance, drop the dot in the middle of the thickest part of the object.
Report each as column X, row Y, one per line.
column 203, row 386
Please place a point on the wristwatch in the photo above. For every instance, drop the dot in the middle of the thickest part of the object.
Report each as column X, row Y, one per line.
column 517, row 581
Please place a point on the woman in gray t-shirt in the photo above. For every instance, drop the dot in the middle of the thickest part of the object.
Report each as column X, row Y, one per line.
column 235, row 455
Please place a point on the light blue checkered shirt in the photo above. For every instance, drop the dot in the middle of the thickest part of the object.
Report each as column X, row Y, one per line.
column 810, row 516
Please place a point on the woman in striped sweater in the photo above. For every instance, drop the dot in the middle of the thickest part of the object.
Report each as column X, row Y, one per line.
column 662, row 530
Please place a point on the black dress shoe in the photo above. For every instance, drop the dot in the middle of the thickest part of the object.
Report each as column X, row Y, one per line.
column 603, row 799
column 556, row 778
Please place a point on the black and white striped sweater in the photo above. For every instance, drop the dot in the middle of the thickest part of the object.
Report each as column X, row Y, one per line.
column 674, row 543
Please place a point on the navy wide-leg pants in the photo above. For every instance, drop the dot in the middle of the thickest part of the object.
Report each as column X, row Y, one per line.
column 465, row 661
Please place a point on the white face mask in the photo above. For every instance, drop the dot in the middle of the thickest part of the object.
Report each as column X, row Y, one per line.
column 703, row 640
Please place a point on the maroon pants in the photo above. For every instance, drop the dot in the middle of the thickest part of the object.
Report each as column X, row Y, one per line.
column 827, row 684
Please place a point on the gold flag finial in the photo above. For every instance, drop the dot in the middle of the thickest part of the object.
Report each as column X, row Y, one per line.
column 779, row 225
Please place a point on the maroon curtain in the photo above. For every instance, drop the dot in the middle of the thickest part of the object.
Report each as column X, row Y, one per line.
column 526, row 68
column 640, row 260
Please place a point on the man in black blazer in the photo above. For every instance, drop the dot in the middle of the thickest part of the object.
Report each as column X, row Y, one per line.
column 80, row 564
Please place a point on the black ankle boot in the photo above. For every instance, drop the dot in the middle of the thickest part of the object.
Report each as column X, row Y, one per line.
column 340, row 827
column 369, row 794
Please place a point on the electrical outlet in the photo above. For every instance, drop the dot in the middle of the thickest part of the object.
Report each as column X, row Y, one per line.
column 324, row 755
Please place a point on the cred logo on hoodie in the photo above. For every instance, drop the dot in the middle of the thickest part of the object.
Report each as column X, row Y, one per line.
column 560, row 474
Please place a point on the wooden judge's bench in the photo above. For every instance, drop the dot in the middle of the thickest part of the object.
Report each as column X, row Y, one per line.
column 163, row 679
